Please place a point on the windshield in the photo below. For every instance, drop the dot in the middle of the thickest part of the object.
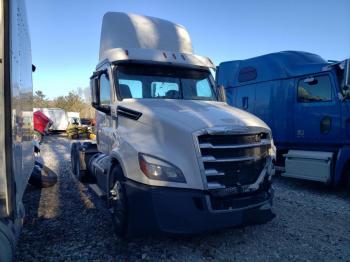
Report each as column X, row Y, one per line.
column 164, row 82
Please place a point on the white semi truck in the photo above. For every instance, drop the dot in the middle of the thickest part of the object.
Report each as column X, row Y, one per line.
column 16, row 121
column 171, row 155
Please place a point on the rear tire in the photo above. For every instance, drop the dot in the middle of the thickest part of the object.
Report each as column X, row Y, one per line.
column 118, row 204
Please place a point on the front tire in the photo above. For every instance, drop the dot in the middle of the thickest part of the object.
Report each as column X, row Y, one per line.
column 118, row 204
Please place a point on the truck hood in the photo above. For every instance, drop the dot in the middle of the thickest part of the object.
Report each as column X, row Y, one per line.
column 191, row 115
column 167, row 130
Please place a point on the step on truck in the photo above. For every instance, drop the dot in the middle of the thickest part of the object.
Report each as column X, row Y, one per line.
column 306, row 102
column 16, row 121
column 171, row 156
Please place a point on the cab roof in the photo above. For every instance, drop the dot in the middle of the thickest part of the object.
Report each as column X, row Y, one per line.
column 280, row 65
column 142, row 38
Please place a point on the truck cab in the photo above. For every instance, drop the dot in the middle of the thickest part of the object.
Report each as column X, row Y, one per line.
column 171, row 155
column 305, row 101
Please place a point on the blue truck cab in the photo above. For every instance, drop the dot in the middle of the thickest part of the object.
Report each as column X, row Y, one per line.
column 306, row 102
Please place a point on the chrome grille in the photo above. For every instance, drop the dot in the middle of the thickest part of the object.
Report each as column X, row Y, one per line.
column 233, row 159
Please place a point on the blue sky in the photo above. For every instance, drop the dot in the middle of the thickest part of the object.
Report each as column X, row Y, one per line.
column 65, row 34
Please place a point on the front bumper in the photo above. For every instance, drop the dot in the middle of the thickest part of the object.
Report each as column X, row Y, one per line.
column 155, row 210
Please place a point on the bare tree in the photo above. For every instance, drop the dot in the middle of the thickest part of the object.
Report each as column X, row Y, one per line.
column 40, row 100
column 75, row 101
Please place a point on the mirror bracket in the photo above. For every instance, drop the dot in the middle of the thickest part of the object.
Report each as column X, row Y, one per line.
column 221, row 93
column 105, row 109
column 341, row 97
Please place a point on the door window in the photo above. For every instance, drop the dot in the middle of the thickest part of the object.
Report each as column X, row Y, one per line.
column 105, row 90
column 314, row 89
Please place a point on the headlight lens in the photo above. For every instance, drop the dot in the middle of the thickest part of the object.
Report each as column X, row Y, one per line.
column 272, row 150
column 157, row 169
column 271, row 164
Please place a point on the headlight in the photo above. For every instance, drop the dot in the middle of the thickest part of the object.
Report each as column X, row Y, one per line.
column 272, row 150
column 157, row 169
column 271, row 164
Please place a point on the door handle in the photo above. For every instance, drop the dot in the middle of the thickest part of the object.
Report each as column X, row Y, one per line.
column 326, row 125
column 245, row 104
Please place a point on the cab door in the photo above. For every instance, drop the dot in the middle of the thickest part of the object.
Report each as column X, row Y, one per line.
column 317, row 111
column 244, row 97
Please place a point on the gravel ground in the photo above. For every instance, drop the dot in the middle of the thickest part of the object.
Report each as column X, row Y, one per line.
column 68, row 223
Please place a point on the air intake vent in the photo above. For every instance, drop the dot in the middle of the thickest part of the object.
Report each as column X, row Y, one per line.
column 128, row 113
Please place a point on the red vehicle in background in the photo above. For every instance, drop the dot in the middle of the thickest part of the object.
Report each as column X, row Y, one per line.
column 41, row 125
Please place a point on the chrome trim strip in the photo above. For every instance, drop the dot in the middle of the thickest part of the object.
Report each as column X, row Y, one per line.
column 213, row 172
column 231, row 159
column 209, row 145
column 236, row 130
column 215, row 185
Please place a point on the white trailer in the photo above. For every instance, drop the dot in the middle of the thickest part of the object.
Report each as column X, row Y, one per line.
column 171, row 155
column 58, row 117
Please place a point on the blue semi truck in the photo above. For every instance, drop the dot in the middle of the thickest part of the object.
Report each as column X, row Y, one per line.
column 306, row 102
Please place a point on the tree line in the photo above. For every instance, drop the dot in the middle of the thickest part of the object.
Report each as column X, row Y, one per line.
column 75, row 101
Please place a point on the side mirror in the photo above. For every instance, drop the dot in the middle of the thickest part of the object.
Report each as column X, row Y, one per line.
column 95, row 96
column 221, row 93
column 346, row 84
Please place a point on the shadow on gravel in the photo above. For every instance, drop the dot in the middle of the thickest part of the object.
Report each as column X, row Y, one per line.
column 61, row 222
